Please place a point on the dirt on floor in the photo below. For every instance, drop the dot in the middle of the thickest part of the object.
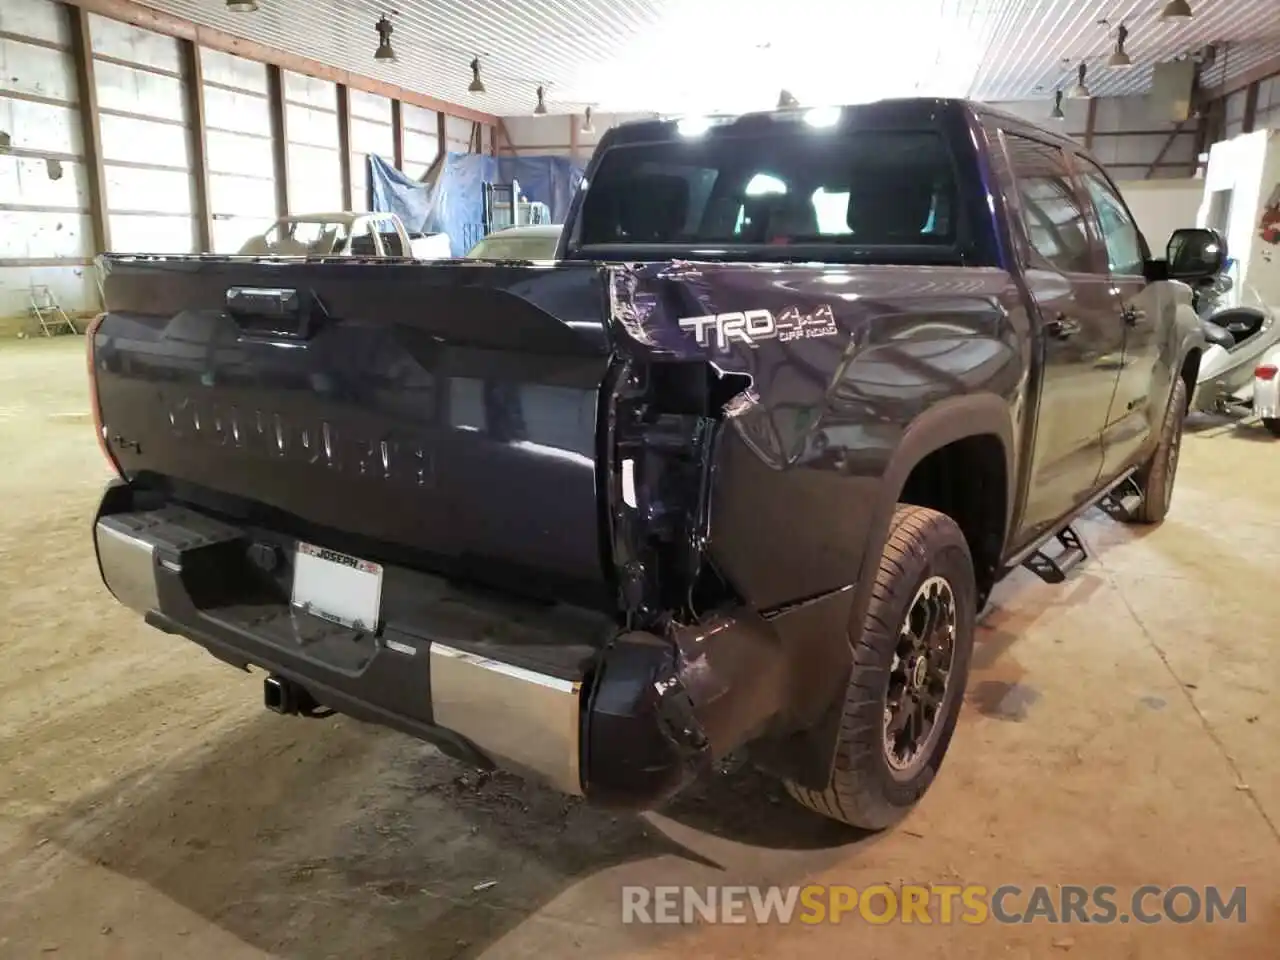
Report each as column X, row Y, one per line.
column 1119, row 730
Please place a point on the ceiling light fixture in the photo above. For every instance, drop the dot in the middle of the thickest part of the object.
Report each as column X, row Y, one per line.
column 1176, row 10
column 1057, row 113
column 385, row 51
column 1119, row 58
column 541, row 109
column 786, row 101
column 1080, row 90
column 477, row 85
column 587, row 126
column 242, row 6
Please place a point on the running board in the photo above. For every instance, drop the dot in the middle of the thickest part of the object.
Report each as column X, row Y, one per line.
column 1123, row 502
column 1054, row 569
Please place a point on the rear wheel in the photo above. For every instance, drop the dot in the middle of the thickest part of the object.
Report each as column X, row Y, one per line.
column 1272, row 424
column 1155, row 478
column 910, row 663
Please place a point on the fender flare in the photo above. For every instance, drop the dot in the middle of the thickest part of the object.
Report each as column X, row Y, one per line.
column 958, row 417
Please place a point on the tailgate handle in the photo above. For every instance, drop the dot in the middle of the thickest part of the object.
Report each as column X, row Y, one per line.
column 275, row 313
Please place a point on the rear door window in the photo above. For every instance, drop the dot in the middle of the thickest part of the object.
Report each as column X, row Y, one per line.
column 865, row 188
column 1125, row 249
column 1052, row 212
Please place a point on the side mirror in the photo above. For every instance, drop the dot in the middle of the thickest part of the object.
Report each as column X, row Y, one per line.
column 1195, row 254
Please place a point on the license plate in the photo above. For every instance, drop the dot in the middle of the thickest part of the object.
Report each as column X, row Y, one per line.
column 332, row 585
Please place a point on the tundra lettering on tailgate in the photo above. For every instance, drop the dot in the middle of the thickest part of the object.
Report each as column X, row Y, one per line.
column 752, row 326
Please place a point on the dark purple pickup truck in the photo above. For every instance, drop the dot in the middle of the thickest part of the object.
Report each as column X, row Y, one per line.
column 735, row 473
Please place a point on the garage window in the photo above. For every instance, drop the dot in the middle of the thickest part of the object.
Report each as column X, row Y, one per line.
column 871, row 188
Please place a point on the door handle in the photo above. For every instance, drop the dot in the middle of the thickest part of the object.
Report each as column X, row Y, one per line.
column 1131, row 315
column 1062, row 327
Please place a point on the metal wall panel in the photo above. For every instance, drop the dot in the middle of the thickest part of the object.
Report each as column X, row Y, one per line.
column 237, row 153
column 147, row 190
column 136, row 140
column 140, row 91
column 315, row 179
column 236, row 111
column 40, row 128
column 37, row 19
column 371, row 133
column 124, row 41
column 309, row 91
column 46, row 238
column 457, row 132
column 231, row 71
column 44, row 235
column 25, row 180
column 146, row 151
column 30, row 69
column 148, row 233
column 236, row 196
column 310, row 125
column 421, row 144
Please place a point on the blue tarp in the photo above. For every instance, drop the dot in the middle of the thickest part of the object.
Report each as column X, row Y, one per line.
column 456, row 206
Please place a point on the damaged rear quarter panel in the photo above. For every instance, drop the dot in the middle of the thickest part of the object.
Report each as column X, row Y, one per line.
column 842, row 362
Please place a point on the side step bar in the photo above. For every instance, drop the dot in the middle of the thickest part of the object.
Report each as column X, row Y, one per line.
column 1120, row 501
column 1054, row 569
column 1123, row 502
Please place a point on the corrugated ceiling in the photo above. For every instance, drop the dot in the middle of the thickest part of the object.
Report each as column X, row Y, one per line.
column 685, row 55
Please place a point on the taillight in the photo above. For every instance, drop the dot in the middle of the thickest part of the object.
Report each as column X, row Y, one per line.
column 94, row 405
column 1265, row 372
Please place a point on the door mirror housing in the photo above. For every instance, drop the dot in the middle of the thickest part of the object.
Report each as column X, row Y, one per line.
column 1195, row 253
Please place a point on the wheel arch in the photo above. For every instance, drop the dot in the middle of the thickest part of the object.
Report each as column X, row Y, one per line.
column 963, row 426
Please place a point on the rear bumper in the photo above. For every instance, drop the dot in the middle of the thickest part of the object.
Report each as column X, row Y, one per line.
column 485, row 710
column 625, row 719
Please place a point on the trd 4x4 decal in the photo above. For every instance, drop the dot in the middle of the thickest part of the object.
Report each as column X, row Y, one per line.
column 753, row 326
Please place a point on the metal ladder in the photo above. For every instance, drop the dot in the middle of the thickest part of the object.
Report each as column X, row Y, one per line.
column 48, row 313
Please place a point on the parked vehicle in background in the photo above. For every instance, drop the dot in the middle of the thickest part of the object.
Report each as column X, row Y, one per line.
column 735, row 473
column 345, row 235
column 537, row 242
column 1266, row 391
column 1240, row 333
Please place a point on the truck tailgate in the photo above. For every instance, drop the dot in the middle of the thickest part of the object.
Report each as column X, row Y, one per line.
column 435, row 415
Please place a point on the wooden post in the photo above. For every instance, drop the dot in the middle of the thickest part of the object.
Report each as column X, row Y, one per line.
column 90, row 127
column 344, row 143
column 279, row 138
column 397, row 130
column 1091, row 121
column 442, row 130
column 1250, row 108
column 193, row 90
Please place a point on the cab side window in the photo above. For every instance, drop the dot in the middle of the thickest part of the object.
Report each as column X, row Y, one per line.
column 1054, row 216
column 1125, row 252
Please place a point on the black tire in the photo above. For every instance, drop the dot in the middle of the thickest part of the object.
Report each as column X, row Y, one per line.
column 1272, row 424
column 923, row 546
column 1156, row 477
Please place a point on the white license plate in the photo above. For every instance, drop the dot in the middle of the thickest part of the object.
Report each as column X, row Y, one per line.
column 332, row 585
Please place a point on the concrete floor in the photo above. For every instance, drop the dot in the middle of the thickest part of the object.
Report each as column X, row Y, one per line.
column 1121, row 729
